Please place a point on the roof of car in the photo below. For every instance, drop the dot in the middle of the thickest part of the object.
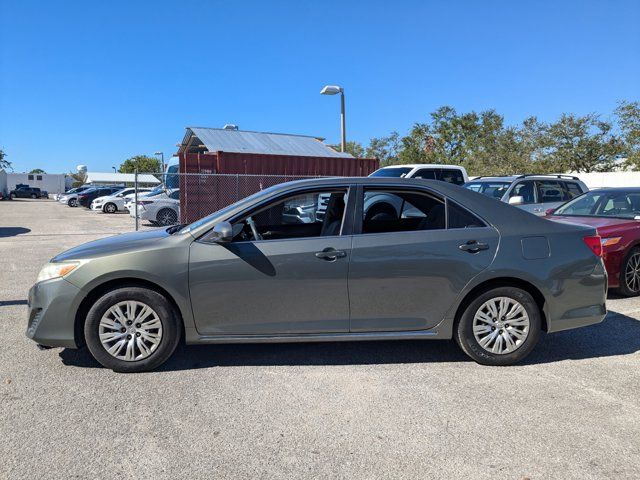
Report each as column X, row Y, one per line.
column 425, row 165
column 511, row 178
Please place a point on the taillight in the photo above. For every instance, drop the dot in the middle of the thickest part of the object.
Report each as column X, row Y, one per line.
column 594, row 243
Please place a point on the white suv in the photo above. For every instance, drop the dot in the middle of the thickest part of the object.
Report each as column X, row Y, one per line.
column 446, row 173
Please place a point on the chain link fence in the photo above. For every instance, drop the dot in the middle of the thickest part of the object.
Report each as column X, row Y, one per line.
column 187, row 197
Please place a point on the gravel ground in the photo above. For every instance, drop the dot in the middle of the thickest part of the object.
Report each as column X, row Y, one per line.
column 360, row 410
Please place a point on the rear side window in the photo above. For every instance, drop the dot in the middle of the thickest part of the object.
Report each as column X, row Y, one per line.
column 451, row 175
column 573, row 190
column 401, row 211
column 461, row 218
column 550, row 191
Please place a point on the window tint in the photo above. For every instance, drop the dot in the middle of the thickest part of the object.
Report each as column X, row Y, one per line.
column 311, row 214
column 462, row 218
column 451, row 175
column 551, row 191
column 524, row 190
column 573, row 190
column 401, row 211
column 427, row 173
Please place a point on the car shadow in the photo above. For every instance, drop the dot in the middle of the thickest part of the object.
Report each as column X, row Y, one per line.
column 617, row 335
column 13, row 231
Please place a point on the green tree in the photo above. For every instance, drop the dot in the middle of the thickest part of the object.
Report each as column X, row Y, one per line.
column 37, row 170
column 385, row 149
column 582, row 144
column 143, row 163
column 4, row 163
column 628, row 119
column 354, row 148
column 79, row 178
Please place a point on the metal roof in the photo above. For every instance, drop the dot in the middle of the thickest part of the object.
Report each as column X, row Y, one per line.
column 112, row 177
column 242, row 141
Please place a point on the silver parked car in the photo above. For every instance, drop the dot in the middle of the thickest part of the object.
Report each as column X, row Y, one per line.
column 533, row 193
column 458, row 265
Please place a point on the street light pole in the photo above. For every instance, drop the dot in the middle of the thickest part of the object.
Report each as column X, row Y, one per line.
column 162, row 160
column 334, row 90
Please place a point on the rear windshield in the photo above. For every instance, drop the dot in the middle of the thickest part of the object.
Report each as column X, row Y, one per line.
column 490, row 189
column 391, row 172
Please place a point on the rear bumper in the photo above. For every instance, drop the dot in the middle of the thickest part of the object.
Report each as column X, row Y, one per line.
column 51, row 316
column 578, row 302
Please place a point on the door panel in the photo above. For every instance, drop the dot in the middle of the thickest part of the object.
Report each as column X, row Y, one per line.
column 409, row 280
column 270, row 287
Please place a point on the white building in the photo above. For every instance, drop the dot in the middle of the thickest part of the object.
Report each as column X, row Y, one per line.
column 49, row 182
column 115, row 178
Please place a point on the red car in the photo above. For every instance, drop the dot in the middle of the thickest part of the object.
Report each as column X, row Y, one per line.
column 615, row 213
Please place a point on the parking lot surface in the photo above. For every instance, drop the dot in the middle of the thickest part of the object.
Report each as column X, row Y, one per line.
column 326, row 410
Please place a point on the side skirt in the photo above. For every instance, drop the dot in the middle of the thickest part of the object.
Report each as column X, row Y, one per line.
column 319, row 337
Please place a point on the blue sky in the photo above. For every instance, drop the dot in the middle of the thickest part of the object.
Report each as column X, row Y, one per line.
column 98, row 82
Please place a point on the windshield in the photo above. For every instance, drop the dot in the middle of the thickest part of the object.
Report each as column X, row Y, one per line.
column 603, row 203
column 490, row 189
column 391, row 172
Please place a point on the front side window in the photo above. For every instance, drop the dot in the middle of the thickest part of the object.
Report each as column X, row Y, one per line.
column 303, row 215
column 451, row 175
column 524, row 190
column 401, row 211
column 427, row 173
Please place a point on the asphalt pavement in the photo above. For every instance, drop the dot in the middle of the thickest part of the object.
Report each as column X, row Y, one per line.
column 328, row 410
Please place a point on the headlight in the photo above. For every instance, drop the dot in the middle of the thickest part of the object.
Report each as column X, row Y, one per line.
column 55, row 270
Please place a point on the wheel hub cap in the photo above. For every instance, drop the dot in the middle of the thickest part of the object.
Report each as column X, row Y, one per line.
column 632, row 272
column 130, row 330
column 501, row 325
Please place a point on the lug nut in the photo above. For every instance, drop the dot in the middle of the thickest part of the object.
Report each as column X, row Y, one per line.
column 138, row 325
column 128, row 337
column 129, row 322
column 137, row 334
column 123, row 329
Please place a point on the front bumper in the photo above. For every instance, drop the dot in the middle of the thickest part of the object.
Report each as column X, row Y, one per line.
column 52, row 305
column 97, row 207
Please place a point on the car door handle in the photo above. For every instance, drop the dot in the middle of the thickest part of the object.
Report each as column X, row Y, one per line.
column 331, row 254
column 473, row 246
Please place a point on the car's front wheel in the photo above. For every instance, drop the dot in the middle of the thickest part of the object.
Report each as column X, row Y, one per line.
column 110, row 208
column 500, row 326
column 630, row 274
column 73, row 202
column 33, row 195
column 132, row 329
column 12, row 196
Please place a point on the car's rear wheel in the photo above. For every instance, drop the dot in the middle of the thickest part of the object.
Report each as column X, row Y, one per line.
column 132, row 329
column 12, row 196
column 110, row 208
column 73, row 202
column 33, row 195
column 630, row 274
column 499, row 327
column 166, row 217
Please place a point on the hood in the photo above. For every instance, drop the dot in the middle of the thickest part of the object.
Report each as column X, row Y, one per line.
column 111, row 245
column 606, row 224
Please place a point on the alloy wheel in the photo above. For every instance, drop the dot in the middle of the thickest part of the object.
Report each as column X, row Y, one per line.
column 632, row 272
column 501, row 325
column 110, row 208
column 130, row 330
column 167, row 217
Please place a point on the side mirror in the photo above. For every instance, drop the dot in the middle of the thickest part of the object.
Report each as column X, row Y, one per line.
column 222, row 232
column 549, row 211
column 516, row 200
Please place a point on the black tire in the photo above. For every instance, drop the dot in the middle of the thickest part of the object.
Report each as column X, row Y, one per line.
column 12, row 196
column 73, row 202
column 464, row 335
column 169, row 340
column 110, row 208
column 34, row 196
column 626, row 288
column 167, row 217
